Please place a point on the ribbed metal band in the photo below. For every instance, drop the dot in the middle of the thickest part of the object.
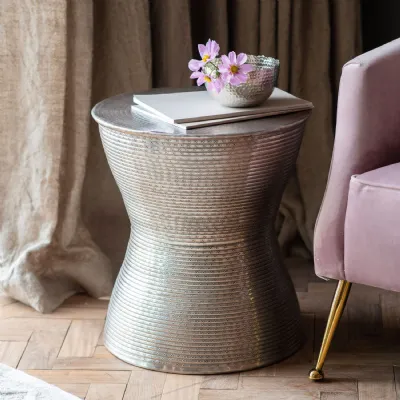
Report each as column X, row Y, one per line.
column 202, row 289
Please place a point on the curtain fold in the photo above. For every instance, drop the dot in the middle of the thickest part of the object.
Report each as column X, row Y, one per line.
column 171, row 42
column 63, row 226
column 46, row 253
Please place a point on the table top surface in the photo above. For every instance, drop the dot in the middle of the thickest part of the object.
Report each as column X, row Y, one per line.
column 116, row 113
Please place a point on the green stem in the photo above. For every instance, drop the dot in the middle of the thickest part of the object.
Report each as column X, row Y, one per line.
column 214, row 67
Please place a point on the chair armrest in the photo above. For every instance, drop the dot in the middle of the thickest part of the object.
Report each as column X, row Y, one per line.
column 367, row 137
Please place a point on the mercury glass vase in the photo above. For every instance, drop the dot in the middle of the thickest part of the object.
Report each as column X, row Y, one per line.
column 258, row 88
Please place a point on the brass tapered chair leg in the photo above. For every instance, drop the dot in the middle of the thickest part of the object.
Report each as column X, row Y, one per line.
column 338, row 304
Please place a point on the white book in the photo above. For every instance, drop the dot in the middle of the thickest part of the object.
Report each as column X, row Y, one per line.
column 193, row 109
column 210, row 122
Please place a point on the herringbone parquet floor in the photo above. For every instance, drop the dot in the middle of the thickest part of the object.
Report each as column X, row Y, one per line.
column 66, row 348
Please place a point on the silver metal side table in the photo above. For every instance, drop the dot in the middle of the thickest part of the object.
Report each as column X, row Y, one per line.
column 202, row 289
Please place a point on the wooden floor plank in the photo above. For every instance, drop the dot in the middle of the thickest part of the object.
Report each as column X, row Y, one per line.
column 358, row 372
column 256, row 395
column 145, row 385
column 43, row 347
column 182, row 387
column 363, row 357
column 316, row 303
column 112, row 391
column 76, row 376
column 221, row 382
column 374, row 389
column 365, row 321
column 92, row 363
column 11, row 353
column 22, row 311
column 297, row 384
column 9, row 334
column 77, row 389
column 15, row 329
column 270, row 370
column 390, row 305
column 339, row 396
column 82, row 338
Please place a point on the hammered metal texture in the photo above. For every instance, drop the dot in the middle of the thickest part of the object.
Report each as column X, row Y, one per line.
column 258, row 88
column 202, row 289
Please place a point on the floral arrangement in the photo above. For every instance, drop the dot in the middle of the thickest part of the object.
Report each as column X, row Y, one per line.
column 217, row 72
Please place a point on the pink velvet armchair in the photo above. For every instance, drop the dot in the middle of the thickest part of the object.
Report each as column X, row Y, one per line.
column 357, row 236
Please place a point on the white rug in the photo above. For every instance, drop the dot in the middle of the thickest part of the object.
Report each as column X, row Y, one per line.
column 16, row 385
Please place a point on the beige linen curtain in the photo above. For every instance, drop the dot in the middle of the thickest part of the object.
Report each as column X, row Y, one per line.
column 63, row 226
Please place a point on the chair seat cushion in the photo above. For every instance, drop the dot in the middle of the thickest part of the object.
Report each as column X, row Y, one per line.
column 372, row 229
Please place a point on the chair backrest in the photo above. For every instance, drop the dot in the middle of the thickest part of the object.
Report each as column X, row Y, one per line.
column 367, row 137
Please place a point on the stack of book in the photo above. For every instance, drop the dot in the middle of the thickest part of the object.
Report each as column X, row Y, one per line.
column 196, row 109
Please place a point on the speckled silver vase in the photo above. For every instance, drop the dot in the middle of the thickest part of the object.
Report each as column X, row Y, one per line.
column 258, row 88
column 202, row 289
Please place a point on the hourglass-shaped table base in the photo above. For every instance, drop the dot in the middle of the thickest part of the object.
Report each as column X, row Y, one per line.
column 202, row 289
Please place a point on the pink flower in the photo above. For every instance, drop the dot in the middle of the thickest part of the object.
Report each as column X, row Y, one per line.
column 207, row 53
column 233, row 69
column 212, row 83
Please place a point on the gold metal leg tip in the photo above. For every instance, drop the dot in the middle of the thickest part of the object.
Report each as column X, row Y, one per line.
column 316, row 375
